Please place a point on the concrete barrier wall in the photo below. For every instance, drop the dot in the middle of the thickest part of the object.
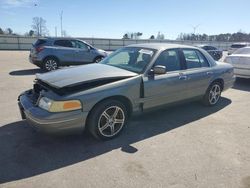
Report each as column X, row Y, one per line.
column 25, row 43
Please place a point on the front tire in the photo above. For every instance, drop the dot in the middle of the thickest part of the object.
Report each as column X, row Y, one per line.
column 107, row 119
column 50, row 64
column 98, row 59
column 213, row 94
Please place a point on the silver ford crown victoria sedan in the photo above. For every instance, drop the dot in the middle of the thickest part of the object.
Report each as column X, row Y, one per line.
column 101, row 97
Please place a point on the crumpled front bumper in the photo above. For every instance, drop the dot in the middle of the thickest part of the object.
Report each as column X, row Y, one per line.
column 48, row 122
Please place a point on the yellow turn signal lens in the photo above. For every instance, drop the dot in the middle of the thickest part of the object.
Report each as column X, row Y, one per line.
column 71, row 105
column 62, row 106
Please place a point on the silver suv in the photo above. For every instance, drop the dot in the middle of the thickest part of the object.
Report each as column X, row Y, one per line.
column 50, row 53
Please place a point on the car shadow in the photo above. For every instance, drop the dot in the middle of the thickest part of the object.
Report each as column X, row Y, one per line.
column 26, row 72
column 25, row 153
column 242, row 84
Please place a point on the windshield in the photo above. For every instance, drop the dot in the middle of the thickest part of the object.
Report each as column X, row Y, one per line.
column 131, row 58
column 242, row 51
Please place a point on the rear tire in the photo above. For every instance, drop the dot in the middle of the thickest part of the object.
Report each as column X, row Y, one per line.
column 107, row 119
column 50, row 64
column 213, row 94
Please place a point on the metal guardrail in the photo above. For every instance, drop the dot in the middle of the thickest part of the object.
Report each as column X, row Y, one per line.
column 25, row 43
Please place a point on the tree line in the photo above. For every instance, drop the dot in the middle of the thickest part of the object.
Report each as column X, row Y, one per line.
column 38, row 28
column 137, row 35
column 227, row 37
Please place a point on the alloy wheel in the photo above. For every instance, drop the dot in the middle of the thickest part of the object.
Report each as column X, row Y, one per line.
column 51, row 64
column 214, row 94
column 111, row 121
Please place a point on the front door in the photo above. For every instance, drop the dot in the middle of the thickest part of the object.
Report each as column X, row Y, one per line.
column 83, row 52
column 166, row 88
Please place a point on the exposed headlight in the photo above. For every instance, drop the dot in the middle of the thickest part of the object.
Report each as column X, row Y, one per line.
column 59, row 106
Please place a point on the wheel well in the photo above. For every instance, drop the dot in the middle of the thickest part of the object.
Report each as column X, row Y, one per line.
column 124, row 100
column 52, row 57
column 97, row 57
column 220, row 81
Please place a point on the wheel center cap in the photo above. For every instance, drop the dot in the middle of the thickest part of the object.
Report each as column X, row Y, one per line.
column 110, row 121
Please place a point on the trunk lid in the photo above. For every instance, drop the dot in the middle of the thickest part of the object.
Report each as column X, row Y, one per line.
column 240, row 61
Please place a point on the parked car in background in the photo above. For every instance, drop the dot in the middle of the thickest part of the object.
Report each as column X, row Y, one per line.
column 240, row 60
column 235, row 47
column 213, row 51
column 101, row 97
column 50, row 53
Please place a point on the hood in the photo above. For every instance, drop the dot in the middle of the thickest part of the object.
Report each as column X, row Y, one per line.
column 100, row 50
column 84, row 74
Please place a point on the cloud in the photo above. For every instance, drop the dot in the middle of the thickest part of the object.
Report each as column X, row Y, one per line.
column 17, row 3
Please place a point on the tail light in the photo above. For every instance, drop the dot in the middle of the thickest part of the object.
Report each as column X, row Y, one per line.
column 39, row 49
column 228, row 60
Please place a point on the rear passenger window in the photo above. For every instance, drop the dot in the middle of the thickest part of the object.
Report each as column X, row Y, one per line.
column 194, row 59
column 170, row 60
column 63, row 43
column 40, row 42
column 203, row 60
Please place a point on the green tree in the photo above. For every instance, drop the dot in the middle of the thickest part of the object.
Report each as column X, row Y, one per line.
column 1, row 31
column 125, row 36
column 9, row 31
column 152, row 37
column 31, row 33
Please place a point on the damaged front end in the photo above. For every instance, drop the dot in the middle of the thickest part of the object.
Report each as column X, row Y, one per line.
column 73, row 88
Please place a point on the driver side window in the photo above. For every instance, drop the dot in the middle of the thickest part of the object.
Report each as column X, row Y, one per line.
column 169, row 59
column 79, row 44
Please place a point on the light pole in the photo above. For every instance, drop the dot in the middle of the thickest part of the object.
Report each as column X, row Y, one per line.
column 55, row 31
column 61, row 14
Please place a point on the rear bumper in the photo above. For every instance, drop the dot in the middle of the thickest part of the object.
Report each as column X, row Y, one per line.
column 228, row 84
column 54, row 123
column 35, row 61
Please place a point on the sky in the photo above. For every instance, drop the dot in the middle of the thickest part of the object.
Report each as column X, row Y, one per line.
column 113, row 18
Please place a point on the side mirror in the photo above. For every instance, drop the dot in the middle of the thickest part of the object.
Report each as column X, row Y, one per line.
column 159, row 69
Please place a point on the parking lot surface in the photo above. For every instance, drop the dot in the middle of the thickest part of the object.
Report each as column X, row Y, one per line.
column 184, row 146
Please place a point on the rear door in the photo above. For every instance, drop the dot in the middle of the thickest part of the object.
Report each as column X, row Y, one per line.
column 165, row 88
column 198, row 72
column 65, row 52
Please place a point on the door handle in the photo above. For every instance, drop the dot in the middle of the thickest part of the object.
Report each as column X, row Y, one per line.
column 209, row 73
column 182, row 77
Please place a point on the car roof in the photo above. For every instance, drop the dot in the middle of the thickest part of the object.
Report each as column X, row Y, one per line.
column 160, row 46
column 203, row 45
column 61, row 38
